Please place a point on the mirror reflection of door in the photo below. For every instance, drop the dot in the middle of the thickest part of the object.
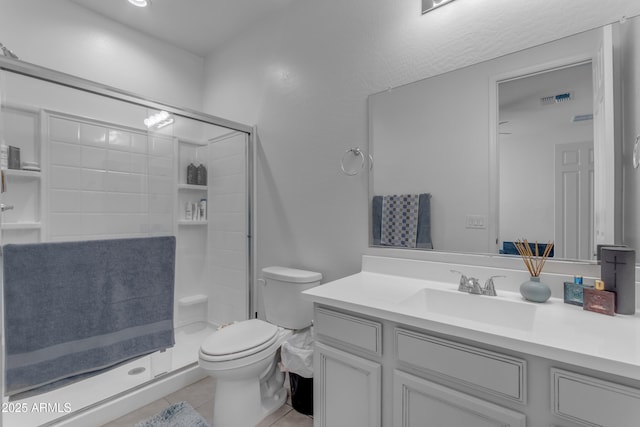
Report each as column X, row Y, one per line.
column 574, row 199
column 545, row 149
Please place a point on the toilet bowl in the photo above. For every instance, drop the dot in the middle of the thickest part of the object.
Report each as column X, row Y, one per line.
column 243, row 357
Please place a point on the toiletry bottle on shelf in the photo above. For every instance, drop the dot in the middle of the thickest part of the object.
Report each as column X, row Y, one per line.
column 188, row 214
column 191, row 174
column 4, row 155
column 201, row 175
column 203, row 209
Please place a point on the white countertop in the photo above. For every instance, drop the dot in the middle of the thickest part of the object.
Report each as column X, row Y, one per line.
column 559, row 331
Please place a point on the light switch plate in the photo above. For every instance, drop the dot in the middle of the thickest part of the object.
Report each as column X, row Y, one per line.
column 476, row 221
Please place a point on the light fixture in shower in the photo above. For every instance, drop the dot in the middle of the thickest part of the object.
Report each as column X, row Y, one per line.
column 429, row 5
column 158, row 120
column 140, row 3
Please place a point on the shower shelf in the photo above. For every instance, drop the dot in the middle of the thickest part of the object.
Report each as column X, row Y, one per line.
column 19, row 173
column 192, row 187
column 193, row 299
column 191, row 222
column 21, row 225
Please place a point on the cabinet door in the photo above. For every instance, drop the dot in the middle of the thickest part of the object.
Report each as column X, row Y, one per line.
column 422, row 403
column 346, row 389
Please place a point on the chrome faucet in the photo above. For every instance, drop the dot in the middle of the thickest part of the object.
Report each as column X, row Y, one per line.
column 472, row 285
column 468, row 284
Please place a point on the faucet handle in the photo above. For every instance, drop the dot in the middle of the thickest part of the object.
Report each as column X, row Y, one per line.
column 464, row 282
column 489, row 288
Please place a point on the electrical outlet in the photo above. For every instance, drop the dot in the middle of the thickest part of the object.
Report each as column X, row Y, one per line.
column 476, row 221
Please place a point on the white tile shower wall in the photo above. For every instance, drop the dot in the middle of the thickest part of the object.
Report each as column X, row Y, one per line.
column 227, row 206
column 108, row 182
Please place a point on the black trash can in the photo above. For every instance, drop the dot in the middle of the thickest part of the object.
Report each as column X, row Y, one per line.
column 301, row 393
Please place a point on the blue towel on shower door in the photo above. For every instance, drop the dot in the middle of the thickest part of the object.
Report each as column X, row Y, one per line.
column 77, row 307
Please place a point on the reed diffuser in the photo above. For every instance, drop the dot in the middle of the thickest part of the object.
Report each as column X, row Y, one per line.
column 533, row 289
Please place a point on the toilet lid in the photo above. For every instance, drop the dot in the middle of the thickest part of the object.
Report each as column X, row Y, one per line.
column 253, row 334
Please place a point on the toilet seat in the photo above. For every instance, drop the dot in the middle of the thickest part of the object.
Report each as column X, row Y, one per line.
column 239, row 340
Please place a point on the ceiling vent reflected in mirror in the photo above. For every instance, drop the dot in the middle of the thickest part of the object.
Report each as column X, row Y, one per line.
column 556, row 99
column 429, row 5
column 582, row 118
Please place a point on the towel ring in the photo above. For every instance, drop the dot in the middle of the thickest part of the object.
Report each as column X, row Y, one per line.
column 636, row 153
column 356, row 152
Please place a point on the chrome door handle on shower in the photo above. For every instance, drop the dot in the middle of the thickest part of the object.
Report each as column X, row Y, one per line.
column 4, row 207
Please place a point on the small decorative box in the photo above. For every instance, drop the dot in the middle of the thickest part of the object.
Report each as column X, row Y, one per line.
column 14, row 157
column 599, row 301
column 573, row 293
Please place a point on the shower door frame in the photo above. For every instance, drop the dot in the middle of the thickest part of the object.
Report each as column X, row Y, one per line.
column 63, row 79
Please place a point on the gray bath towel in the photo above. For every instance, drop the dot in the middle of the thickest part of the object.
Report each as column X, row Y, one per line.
column 423, row 239
column 77, row 307
column 400, row 220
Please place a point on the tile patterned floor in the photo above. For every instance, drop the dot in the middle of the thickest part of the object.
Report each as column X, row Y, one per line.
column 200, row 396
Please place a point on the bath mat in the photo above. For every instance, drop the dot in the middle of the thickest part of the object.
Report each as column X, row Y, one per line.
column 178, row 415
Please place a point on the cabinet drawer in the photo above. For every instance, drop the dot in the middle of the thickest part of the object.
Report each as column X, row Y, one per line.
column 483, row 370
column 348, row 330
column 592, row 402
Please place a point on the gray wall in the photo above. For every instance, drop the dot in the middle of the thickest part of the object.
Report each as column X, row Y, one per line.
column 61, row 35
column 303, row 77
column 630, row 90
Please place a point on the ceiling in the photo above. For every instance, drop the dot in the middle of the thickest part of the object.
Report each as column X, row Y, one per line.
column 197, row 26
column 522, row 112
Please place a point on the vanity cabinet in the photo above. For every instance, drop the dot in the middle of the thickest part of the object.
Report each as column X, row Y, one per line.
column 350, row 368
column 417, row 400
column 346, row 389
column 590, row 401
column 377, row 372
column 487, row 371
column 347, row 386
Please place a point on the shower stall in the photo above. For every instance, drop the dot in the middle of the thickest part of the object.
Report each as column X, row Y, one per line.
column 82, row 162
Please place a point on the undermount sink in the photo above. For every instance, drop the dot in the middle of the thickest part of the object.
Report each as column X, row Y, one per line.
column 479, row 308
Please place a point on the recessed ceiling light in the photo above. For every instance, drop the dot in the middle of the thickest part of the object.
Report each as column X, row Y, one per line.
column 158, row 120
column 140, row 3
column 429, row 5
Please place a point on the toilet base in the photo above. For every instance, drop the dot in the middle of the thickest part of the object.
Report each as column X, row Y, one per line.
column 242, row 403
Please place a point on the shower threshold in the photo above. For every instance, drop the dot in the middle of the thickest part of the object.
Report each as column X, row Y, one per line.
column 107, row 396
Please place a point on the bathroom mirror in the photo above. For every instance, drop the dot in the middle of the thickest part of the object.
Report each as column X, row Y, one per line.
column 482, row 140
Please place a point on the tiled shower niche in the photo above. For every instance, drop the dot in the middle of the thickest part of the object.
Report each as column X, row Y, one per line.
column 22, row 221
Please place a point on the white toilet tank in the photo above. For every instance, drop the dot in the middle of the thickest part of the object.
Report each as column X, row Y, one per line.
column 282, row 296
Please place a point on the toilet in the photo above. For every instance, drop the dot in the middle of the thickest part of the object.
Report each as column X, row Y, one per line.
column 243, row 357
